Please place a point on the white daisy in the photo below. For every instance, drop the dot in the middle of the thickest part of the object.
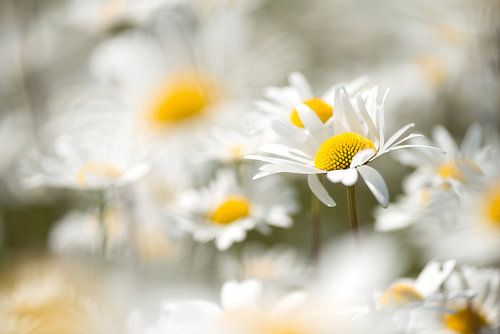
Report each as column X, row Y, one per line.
column 461, row 163
column 92, row 148
column 278, row 266
column 340, row 148
column 190, row 78
column 226, row 210
column 478, row 314
column 425, row 288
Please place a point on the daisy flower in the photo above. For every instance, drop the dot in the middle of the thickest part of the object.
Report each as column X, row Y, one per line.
column 226, row 210
column 181, row 78
column 278, row 266
column 478, row 314
column 92, row 148
column 341, row 148
column 461, row 163
column 425, row 288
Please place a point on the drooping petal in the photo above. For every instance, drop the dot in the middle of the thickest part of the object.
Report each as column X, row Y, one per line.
column 347, row 177
column 312, row 123
column 319, row 191
column 300, row 83
column 361, row 157
column 375, row 182
column 445, row 140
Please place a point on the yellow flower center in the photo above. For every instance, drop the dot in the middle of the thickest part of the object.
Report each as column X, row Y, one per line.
column 465, row 321
column 337, row 152
column 450, row 170
column 433, row 69
column 493, row 205
column 232, row 209
column 321, row 108
column 400, row 294
column 180, row 100
column 97, row 171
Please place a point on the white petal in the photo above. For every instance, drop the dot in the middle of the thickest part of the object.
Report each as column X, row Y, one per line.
column 398, row 134
column 319, row 191
column 445, row 140
column 433, row 275
column 361, row 157
column 348, row 177
column 312, row 123
column 236, row 295
column 375, row 183
column 472, row 140
column 298, row 81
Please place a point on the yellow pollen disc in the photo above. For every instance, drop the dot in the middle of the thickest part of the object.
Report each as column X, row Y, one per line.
column 321, row 108
column 450, row 170
column 433, row 69
column 180, row 100
column 99, row 170
column 232, row 209
column 337, row 152
column 465, row 321
column 400, row 294
column 492, row 201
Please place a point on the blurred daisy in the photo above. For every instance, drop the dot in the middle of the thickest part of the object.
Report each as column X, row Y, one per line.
column 46, row 298
column 340, row 149
column 458, row 166
column 475, row 235
column 226, row 210
column 278, row 266
column 91, row 150
column 186, row 78
column 425, row 288
column 478, row 314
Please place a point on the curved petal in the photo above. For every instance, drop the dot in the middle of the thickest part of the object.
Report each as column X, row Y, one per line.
column 375, row 183
column 347, row 177
column 312, row 123
column 361, row 157
column 319, row 191
column 298, row 81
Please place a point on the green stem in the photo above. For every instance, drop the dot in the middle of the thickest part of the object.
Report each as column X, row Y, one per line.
column 316, row 227
column 353, row 215
column 102, row 222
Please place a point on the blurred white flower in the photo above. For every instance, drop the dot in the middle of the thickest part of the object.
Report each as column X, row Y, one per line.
column 227, row 209
column 90, row 149
column 191, row 78
column 477, row 314
column 278, row 266
column 340, row 148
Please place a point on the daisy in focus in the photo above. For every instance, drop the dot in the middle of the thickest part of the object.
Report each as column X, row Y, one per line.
column 226, row 210
column 341, row 148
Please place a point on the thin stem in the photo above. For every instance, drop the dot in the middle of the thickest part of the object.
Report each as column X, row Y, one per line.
column 102, row 221
column 316, row 227
column 353, row 215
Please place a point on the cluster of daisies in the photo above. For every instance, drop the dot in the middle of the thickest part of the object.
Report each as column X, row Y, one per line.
column 182, row 152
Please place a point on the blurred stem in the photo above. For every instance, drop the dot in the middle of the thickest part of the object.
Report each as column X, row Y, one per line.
column 102, row 221
column 353, row 215
column 316, row 227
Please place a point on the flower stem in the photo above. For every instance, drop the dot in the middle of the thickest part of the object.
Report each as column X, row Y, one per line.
column 353, row 216
column 102, row 221
column 316, row 227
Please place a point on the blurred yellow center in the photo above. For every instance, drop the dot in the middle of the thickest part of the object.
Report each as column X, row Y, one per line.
column 493, row 205
column 232, row 209
column 321, row 108
column 400, row 294
column 450, row 170
column 433, row 69
column 465, row 321
column 98, row 170
column 337, row 152
column 178, row 101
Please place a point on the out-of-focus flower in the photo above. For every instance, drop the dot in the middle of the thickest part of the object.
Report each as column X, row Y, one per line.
column 190, row 79
column 44, row 298
column 227, row 209
column 89, row 149
column 278, row 266
column 14, row 129
column 340, row 148
column 425, row 287
column 458, row 166
column 478, row 314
